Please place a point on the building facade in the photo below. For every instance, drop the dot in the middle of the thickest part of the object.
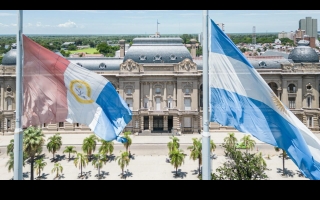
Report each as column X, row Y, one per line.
column 161, row 81
column 310, row 26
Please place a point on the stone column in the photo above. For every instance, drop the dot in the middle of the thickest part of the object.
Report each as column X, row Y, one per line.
column 165, row 123
column 141, row 123
column 2, row 96
column 141, row 95
column 174, row 95
column 150, row 98
column 151, row 123
column 165, row 95
column 122, row 48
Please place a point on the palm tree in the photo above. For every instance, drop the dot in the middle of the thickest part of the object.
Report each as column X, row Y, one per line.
column 69, row 149
column 10, row 162
column 174, row 144
column 177, row 158
column 123, row 160
column 10, row 146
column 212, row 146
column 98, row 161
column 89, row 145
column 106, row 147
column 33, row 140
column 129, row 140
column 54, row 144
column 248, row 142
column 231, row 140
column 57, row 168
column 196, row 151
column 284, row 155
column 80, row 161
column 39, row 165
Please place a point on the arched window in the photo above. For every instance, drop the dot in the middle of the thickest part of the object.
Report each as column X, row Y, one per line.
column 274, row 87
column 292, row 88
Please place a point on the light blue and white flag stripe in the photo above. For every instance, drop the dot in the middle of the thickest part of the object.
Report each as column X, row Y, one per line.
column 239, row 97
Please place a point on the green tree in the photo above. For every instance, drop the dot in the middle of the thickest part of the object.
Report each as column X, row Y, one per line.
column 98, row 161
column 58, row 169
column 10, row 147
column 39, row 166
column 283, row 155
column 212, row 146
column 72, row 47
column 231, row 140
column 173, row 144
column 70, row 150
column 33, row 140
column 106, row 147
column 248, row 142
column 196, row 152
column 123, row 160
column 80, row 161
column 54, row 144
column 129, row 140
column 241, row 166
column 65, row 53
column 177, row 158
column 10, row 162
column 89, row 145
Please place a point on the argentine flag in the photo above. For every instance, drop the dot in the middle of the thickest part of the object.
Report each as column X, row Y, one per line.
column 239, row 97
column 56, row 90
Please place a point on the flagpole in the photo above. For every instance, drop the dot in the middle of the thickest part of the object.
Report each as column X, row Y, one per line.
column 18, row 135
column 206, row 161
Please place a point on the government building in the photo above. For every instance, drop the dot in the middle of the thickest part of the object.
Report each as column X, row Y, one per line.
column 161, row 81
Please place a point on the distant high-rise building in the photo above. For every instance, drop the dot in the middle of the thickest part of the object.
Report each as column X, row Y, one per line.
column 310, row 26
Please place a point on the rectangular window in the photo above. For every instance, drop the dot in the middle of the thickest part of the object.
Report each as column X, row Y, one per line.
column 158, row 91
column 292, row 103
column 187, row 104
column 170, row 103
column 130, row 103
column 187, row 122
column 9, row 104
column 309, row 102
column 60, row 124
column 158, row 107
column 310, row 122
column 129, row 91
column 187, row 91
column 8, row 123
column 145, row 103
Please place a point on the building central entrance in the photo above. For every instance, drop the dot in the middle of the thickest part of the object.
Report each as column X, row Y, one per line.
column 158, row 123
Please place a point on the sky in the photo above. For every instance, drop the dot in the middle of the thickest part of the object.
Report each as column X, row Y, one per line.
column 145, row 21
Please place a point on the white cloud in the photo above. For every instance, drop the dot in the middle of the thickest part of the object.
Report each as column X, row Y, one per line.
column 38, row 24
column 13, row 24
column 29, row 24
column 6, row 14
column 3, row 25
column 68, row 24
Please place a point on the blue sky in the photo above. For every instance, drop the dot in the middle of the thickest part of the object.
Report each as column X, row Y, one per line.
column 145, row 21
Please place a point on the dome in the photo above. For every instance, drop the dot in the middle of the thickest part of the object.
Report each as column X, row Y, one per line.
column 303, row 53
column 10, row 57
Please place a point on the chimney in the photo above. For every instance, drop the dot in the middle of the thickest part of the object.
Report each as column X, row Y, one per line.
column 122, row 48
column 193, row 48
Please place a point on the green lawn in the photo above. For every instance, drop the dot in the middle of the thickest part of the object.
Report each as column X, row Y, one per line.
column 88, row 51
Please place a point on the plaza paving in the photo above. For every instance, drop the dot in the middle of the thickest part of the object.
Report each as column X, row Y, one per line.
column 148, row 164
